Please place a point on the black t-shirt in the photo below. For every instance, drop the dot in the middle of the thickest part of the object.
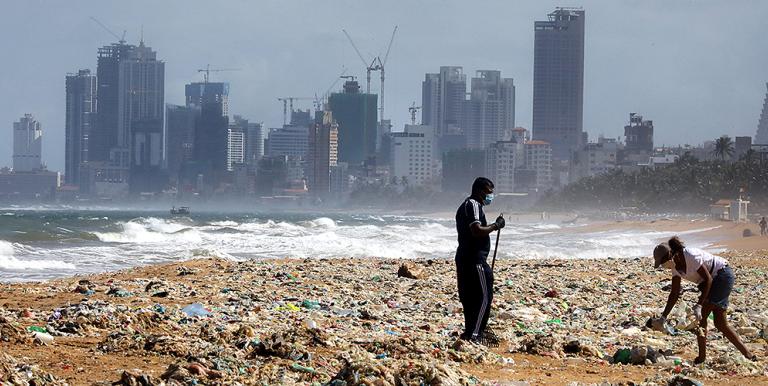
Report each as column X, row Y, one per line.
column 472, row 250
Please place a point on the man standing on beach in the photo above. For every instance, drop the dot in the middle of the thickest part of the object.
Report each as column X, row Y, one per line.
column 474, row 275
column 763, row 225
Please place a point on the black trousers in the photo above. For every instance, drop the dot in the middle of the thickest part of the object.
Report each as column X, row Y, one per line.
column 475, row 282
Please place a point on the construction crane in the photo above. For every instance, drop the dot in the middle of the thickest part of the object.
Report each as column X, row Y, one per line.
column 121, row 39
column 413, row 110
column 208, row 70
column 368, row 67
column 382, row 63
column 289, row 100
column 320, row 101
column 377, row 64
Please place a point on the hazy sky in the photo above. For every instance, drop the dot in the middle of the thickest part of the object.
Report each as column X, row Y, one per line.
column 696, row 68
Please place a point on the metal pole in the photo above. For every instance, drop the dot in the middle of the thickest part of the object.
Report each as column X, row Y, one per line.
column 496, row 249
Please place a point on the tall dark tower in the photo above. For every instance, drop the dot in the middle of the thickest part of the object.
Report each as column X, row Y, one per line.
column 104, row 134
column 210, row 145
column 558, row 81
column 355, row 113
column 129, row 130
column 442, row 99
column 80, row 118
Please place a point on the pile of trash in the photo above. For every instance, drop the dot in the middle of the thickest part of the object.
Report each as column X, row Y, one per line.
column 368, row 321
column 15, row 372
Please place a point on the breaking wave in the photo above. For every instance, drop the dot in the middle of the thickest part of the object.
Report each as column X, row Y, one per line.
column 45, row 245
column 8, row 261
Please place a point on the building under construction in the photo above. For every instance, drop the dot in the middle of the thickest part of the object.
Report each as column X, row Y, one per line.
column 355, row 113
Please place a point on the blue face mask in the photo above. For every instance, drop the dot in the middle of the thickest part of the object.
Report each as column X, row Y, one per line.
column 488, row 199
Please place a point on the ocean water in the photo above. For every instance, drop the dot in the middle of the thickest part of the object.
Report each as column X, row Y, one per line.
column 44, row 243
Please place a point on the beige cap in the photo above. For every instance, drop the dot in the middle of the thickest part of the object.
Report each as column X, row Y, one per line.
column 659, row 253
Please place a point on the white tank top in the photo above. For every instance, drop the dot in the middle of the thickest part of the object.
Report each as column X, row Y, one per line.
column 694, row 259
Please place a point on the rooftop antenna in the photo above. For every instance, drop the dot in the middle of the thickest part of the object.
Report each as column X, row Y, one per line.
column 413, row 109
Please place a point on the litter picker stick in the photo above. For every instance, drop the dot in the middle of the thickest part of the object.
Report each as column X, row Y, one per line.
column 496, row 249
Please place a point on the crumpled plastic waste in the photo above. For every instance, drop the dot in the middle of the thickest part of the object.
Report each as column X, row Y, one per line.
column 329, row 322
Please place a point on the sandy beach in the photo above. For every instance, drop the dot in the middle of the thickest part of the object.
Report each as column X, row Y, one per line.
column 355, row 321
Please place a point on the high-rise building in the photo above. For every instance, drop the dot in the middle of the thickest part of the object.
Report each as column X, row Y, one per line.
column 442, row 100
column 235, row 146
column 253, row 142
column 639, row 134
column 198, row 94
column 490, row 109
column 129, row 130
column 180, row 136
column 80, row 118
column 762, row 126
column 210, row 154
column 355, row 112
column 323, row 153
column 211, row 139
column 500, row 164
column 413, row 155
column 558, row 81
column 27, row 144
column 289, row 140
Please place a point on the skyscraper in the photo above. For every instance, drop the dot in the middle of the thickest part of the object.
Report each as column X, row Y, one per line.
column 27, row 144
column 558, row 81
column 129, row 130
column 442, row 99
column 490, row 109
column 180, row 136
column 254, row 140
column 322, row 154
column 761, row 137
column 198, row 94
column 211, row 138
column 235, row 146
column 355, row 112
column 80, row 118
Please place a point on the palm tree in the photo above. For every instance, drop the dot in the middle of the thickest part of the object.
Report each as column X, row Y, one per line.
column 724, row 147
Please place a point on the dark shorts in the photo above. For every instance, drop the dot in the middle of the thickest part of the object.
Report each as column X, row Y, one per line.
column 722, row 285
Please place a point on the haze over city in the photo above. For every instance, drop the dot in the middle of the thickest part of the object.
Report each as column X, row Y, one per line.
column 695, row 67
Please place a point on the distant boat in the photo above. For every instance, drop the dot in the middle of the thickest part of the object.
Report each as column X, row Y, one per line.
column 182, row 210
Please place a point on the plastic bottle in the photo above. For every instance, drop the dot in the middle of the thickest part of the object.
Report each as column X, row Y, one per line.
column 44, row 337
column 195, row 309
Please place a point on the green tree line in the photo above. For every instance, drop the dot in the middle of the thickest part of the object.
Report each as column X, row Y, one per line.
column 686, row 185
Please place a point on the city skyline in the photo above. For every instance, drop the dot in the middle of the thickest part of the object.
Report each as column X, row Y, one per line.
column 700, row 71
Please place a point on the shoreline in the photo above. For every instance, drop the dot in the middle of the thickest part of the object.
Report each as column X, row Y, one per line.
column 298, row 321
